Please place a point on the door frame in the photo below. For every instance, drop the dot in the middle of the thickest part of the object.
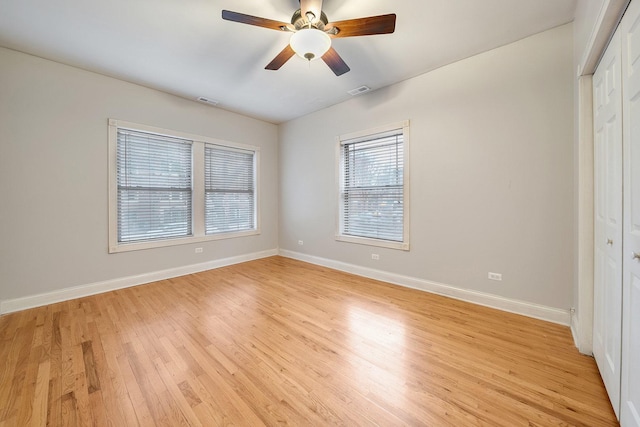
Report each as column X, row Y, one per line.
column 582, row 315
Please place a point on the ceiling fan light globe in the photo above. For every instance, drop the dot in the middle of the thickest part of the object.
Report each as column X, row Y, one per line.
column 310, row 43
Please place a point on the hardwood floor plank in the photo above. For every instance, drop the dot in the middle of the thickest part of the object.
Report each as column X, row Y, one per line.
column 211, row 408
column 83, row 411
column 176, row 394
column 25, row 403
column 142, row 412
column 54, row 409
column 66, row 369
column 147, row 382
column 90, row 370
column 99, row 414
column 277, row 341
column 41, row 395
column 68, row 409
column 189, row 394
column 111, row 392
column 177, row 360
column 10, row 377
column 234, row 394
column 15, row 366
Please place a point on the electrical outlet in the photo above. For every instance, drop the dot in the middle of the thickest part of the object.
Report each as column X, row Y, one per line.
column 495, row 276
column 300, row 242
column 198, row 250
column 375, row 256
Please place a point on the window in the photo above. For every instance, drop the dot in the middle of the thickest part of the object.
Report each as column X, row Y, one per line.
column 154, row 186
column 229, row 190
column 374, row 194
column 168, row 188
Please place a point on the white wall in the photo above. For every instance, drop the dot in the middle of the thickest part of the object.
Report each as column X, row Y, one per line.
column 491, row 173
column 53, row 175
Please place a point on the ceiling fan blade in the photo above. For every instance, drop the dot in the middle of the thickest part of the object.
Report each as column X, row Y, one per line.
column 257, row 21
column 313, row 6
column 381, row 24
column 280, row 59
column 335, row 62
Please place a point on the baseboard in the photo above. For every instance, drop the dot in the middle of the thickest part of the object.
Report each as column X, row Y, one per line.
column 581, row 338
column 17, row 304
column 514, row 306
column 537, row 311
column 575, row 329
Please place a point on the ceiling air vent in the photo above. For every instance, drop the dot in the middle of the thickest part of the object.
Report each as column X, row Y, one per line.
column 207, row 100
column 359, row 90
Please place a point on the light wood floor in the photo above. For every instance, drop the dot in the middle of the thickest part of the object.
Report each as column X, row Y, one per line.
column 278, row 341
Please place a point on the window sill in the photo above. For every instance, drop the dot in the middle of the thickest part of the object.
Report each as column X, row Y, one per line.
column 126, row 247
column 373, row 242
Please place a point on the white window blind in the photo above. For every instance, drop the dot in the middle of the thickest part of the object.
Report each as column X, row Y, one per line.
column 154, row 186
column 372, row 197
column 229, row 190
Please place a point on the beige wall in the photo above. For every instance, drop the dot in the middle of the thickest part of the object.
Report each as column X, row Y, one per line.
column 53, row 175
column 491, row 173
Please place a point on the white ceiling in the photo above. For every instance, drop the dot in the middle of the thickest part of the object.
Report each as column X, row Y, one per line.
column 185, row 48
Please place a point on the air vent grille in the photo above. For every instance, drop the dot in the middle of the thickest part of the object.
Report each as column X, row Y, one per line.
column 207, row 100
column 359, row 90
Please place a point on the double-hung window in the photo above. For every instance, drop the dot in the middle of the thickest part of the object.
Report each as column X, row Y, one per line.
column 229, row 189
column 374, row 187
column 168, row 188
column 154, row 186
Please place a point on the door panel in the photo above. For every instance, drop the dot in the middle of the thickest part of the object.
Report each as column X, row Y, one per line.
column 607, row 320
column 630, row 387
column 630, row 408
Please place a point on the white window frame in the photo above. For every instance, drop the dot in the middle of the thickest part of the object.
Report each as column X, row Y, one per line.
column 198, row 188
column 404, row 245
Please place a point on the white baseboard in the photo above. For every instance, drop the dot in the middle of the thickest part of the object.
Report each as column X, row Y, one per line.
column 581, row 338
column 537, row 311
column 17, row 304
column 514, row 306
column 575, row 328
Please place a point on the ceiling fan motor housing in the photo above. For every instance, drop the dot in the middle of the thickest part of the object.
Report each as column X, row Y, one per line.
column 300, row 21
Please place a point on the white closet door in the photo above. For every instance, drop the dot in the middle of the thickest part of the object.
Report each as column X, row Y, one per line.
column 630, row 392
column 607, row 316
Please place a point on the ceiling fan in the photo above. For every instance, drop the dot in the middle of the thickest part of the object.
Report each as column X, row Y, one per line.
column 312, row 33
